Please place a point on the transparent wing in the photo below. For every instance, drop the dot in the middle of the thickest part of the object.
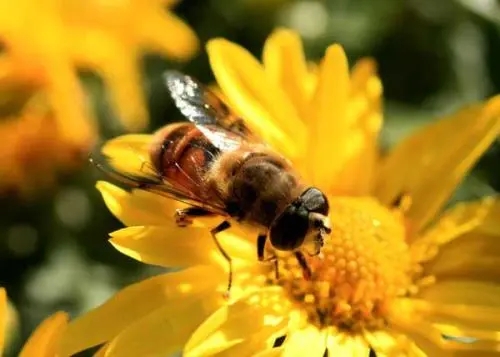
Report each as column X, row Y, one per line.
column 123, row 159
column 212, row 117
column 206, row 110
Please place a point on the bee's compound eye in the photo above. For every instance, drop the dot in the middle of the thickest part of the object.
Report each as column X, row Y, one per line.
column 315, row 201
column 290, row 229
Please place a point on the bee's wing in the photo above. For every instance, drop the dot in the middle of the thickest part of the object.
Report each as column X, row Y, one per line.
column 206, row 109
column 128, row 167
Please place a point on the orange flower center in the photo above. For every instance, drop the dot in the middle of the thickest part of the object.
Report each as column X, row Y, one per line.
column 364, row 266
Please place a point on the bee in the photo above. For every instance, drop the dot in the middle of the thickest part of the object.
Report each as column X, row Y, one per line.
column 215, row 164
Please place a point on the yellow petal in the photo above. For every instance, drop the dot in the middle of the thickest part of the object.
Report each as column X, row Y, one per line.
column 468, row 335
column 262, row 103
column 469, row 244
column 169, row 3
column 180, row 43
column 272, row 352
column 417, row 337
column 130, row 153
column 305, row 342
column 462, row 292
column 431, row 163
column 171, row 246
column 44, row 341
column 118, row 65
column 424, row 323
column 362, row 75
column 136, row 301
column 430, row 340
column 356, row 177
column 491, row 224
column 463, row 218
column 471, row 256
column 164, row 331
column 123, row 80
column 364, row 112
column 137, row 208
column 68, row 101
column 329, row 127
column 463, row 316
column 382, row 342
column 101, row 352
column 168, row 246
column 9, row 323
column 285, row 63
column 232, row 327
column 418, row 340
column 140, row 207
column 395, row 342
column 474, row 354
column 347, row 346
column 3, row 318
column 252, row 345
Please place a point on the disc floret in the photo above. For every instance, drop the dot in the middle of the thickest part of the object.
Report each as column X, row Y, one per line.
column 362, row 268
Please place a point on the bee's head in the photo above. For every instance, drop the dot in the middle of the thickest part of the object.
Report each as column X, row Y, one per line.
column 303, row 221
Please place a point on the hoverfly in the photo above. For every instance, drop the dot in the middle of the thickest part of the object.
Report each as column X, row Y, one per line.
column 219, row 167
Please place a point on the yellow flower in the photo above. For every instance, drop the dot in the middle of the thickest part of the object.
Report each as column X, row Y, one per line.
column 396, row 275
column 55, row 38
column 105, row 36
column 10, row 324
column 32, row 151
column 44, row 341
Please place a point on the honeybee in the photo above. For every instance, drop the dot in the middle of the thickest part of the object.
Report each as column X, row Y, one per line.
column 219, row 167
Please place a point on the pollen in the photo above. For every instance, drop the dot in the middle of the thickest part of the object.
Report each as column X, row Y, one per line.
column 363, row 267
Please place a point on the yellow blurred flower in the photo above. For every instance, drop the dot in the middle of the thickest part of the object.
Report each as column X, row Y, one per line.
column 10, row 323
column 32, row 152
column 398, row 273
column 45, row 43
column 43, row 341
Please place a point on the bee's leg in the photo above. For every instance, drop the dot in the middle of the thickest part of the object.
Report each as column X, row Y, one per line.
column 214, row 231
column 303, row 264
column 261, row 244
column 183, row 216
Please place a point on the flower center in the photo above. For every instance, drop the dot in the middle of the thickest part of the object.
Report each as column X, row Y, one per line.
column 364, row 265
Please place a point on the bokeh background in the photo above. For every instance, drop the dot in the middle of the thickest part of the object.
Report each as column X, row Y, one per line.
column 433, row 57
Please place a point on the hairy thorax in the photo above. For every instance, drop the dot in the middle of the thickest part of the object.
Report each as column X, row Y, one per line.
column 258, row 185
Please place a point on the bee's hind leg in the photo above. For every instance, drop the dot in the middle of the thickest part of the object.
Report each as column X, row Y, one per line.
column 214, row 231
column 184, row 216
column 261, row 245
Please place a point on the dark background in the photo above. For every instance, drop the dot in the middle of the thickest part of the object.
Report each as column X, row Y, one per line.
column 433, row 57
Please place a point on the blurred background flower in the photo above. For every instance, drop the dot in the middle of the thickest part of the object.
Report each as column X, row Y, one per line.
column 42, row 342
column 83, row 65
column 44, row 45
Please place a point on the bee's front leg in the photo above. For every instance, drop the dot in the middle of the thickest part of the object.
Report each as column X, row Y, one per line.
column 184, row 216
column 306, row 270
column 261, row 245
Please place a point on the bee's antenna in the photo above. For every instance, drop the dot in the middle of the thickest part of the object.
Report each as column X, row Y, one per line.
column 98, row 165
